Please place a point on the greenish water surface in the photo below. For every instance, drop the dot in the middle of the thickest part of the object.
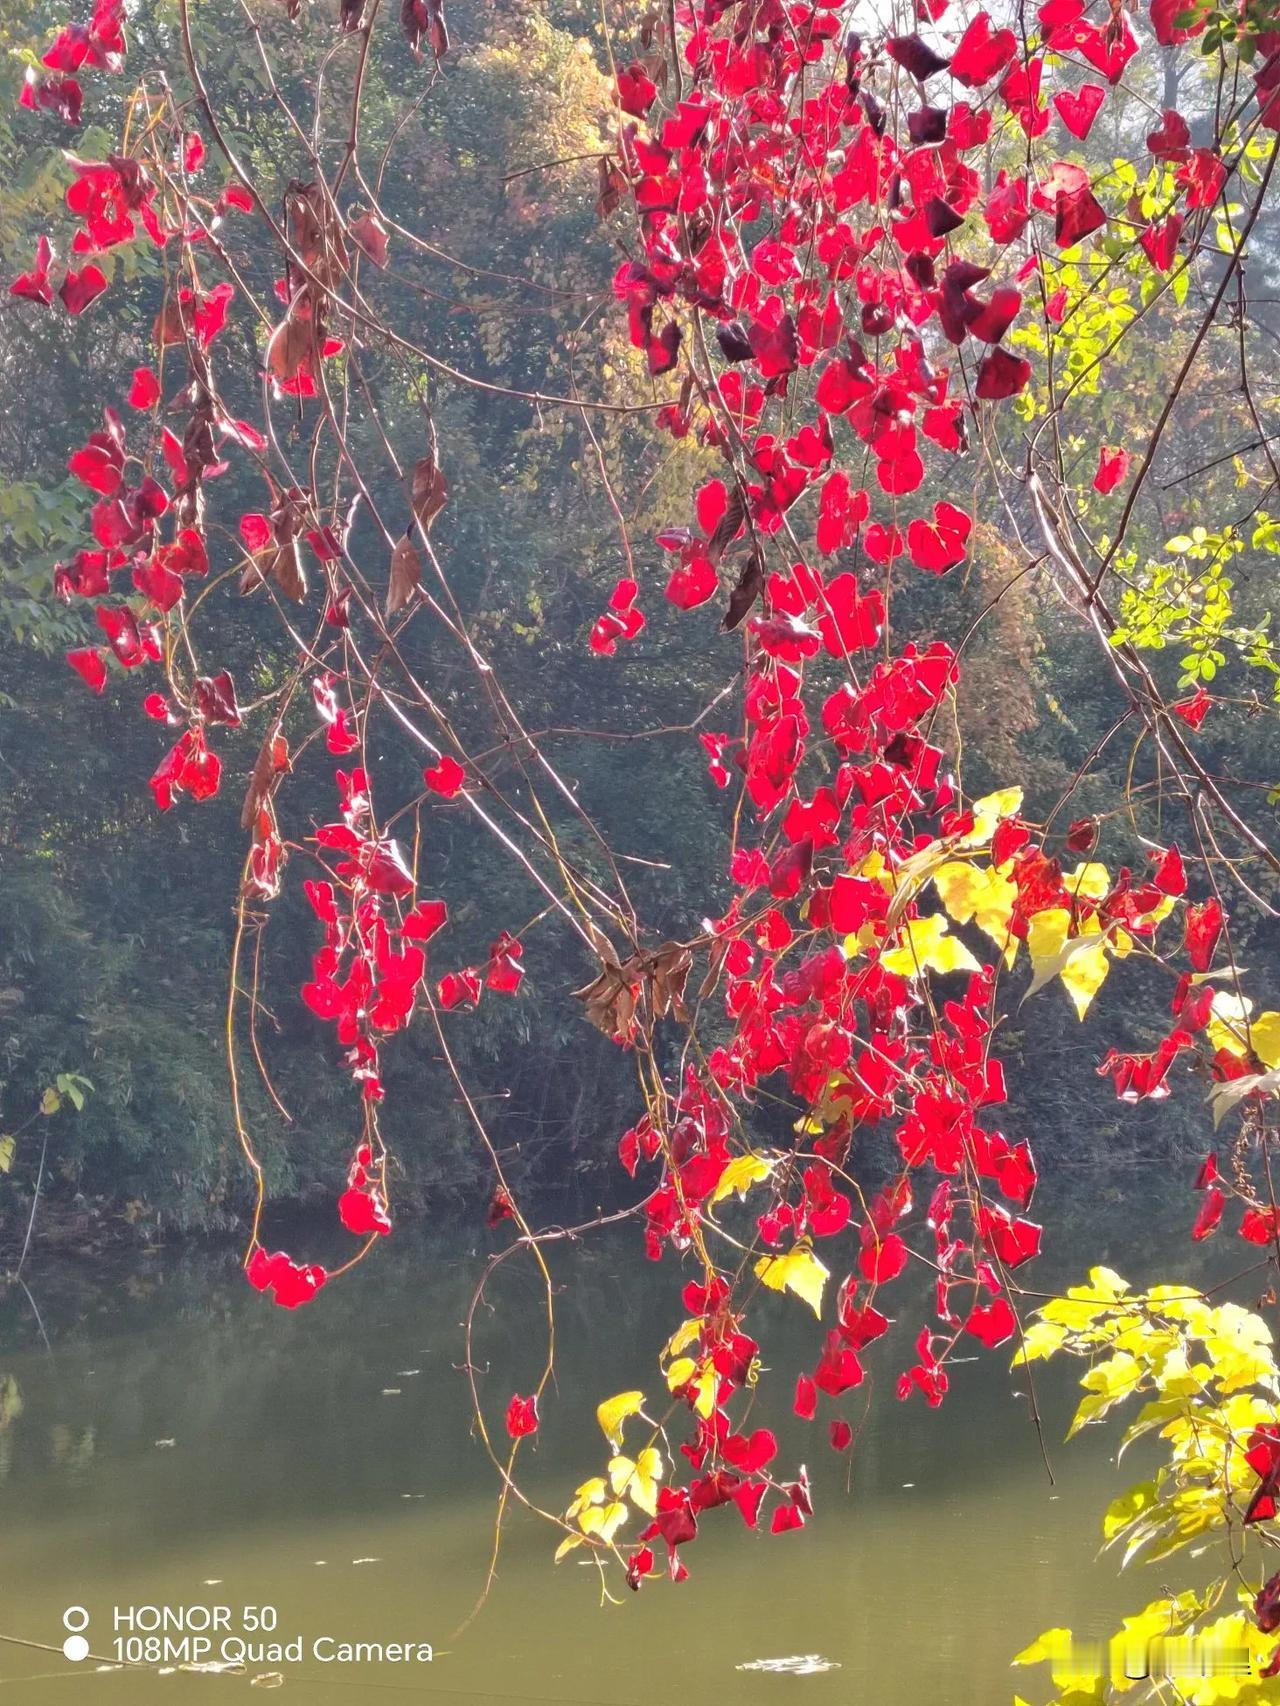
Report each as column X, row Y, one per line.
column 177, row 1441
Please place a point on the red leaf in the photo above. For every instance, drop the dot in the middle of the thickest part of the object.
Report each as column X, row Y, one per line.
column 457, row 988
column 291, row 1283
column 1002, row 374
column 79, row 289
column 750, row 1455
column 34, row 285
column 364, row 1212
column 1207, row 1220
column 1258, row 1226
column 1113, row 466
column 522, row 1416
column 806, row 1400
column 982, row 53
column 1203, row 928
column 145, row 390
column 692, row 584
column 1193, row 711
column 1079, row 109
column 445, row 778
column 636, row 90
column 993, row 1323
column 940, row 544
column 882, row 1260
column 1014, row 1241
column 89, row 664
column 427, row 917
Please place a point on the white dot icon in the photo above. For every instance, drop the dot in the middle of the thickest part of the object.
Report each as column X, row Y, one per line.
column 75, row 1618
column 75, row 1648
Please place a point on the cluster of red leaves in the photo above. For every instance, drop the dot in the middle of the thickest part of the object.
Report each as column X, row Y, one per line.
column 148, row 529
column 819, row 234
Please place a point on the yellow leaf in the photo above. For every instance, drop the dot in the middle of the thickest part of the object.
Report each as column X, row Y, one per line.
column 926, row 946
column 603, row 1521
column 614, row 1411
column 621, row 1469
column 682, row 1338
column 799, row 1271
column 704, row 1392
column 1046, row 935
column 988, row 813
column 681, row 1372
column 589, row 1493
column 1122, row 1511
column 638, row 1481
column 876, row 870
column 826, row 1109
column 984, row 897
column 1041, row 1339
column 649, row 1471
column 1080, row 961
column 741, row 1173
column 1228, row 1022
column 1264, row 1034
column 1089, row 881
column 1051, row 1645
column 684, row 1371
column 567, row 1545
column 1084, row 975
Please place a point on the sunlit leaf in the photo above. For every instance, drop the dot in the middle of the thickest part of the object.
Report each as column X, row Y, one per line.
column 799, row 1271
column 614, row 1412
column 739, row 1176
column 927, row 946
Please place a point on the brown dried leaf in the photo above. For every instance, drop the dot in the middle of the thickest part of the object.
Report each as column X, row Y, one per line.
column 670, row 971
column 611, row 186
column 735, row 513
column 406, row 575
column 369, row 235
column 747, row 589
column 271, row 763
column 290, row 575
column 317, row 232
column 424, row 20
column 429, row 491
column 716, row 956
column 292, row 346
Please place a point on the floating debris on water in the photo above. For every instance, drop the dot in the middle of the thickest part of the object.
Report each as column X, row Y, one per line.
column 799, row 1664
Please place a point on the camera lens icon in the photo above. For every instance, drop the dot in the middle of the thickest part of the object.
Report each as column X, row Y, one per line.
column 75, row 1647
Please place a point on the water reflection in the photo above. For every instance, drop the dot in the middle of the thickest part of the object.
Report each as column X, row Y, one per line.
column 183, row 1444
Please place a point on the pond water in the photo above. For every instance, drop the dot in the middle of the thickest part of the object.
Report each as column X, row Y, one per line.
column 178, row 1442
